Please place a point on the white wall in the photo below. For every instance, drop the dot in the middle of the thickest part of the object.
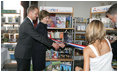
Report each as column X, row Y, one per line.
column 81, row 8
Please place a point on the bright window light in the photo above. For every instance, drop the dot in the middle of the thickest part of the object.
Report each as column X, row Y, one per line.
column 14, row 5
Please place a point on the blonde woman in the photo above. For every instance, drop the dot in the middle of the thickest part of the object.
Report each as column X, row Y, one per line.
column 98, row 54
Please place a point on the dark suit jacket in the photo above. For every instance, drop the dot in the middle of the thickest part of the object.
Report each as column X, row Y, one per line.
column 26, row 35
column 41, row 29
column 39, row 49
column 114, row 49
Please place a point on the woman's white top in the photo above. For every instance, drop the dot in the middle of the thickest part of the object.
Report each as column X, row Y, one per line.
column 101, row 63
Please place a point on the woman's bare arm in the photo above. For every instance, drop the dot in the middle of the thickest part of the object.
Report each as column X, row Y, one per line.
column 86, row 52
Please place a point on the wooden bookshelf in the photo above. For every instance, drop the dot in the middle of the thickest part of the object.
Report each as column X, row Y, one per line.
column 81, row 22
column 62, row 28
column 106, row 29
column 80, row 39
column 59, row 59
column 10, row 13
column 61, row 12
column 10, row 42
column 80, row 31
column 7, row 23
column 110, row 29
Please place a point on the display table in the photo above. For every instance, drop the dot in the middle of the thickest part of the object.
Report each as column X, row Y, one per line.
column 5, row 58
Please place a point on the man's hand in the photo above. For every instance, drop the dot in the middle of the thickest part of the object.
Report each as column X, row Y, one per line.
column 55, row 45
column 62, row 45
column 77, row 68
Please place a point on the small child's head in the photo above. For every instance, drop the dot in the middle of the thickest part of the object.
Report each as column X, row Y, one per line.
column 95, row 31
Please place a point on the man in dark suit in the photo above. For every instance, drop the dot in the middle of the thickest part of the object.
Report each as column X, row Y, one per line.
column 112, row 15
column 27, row 33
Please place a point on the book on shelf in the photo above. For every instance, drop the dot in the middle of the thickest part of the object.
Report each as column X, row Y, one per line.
column 48, row 66
column 68, row 37
column 78, row 27
column 54, row 54
column 52, row 22
column 9, row 46
column 61, row 22
column 66, row 53
column 80, row 36
column 51, row 54
column 61, row 35
column 48, row 54
column 12, row 39
column 56, row 35
column 17, row 19
column 58, row 66
column 53, row 66
column 3, row 19
column 10, row 19
column 83, row 27
column 69, row 22
column 65, row 66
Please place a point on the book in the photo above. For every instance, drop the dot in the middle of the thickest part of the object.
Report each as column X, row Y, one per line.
column 49, row 66
column 52, row 22
column 10, row 19
column 54, row 54
column 69, row 22
column 61, row 22
column 53, row 66
column 48, row 54
column 65, row 66
column 16, row 19
column 3, row 19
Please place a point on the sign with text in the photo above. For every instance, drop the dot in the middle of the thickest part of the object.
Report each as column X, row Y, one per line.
column 100, row 9
column 56, row 9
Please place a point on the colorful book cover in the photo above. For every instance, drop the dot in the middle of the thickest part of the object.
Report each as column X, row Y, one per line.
column 53, row 66
column 48, row 66
column 65, row 67
column 52, row 22
column 68, row 22
column 10, row 19
column 61, row 22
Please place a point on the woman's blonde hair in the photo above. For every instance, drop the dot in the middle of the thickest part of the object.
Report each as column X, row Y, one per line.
column 95, row 31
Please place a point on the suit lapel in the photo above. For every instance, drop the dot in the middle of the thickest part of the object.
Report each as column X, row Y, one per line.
column 28, row 20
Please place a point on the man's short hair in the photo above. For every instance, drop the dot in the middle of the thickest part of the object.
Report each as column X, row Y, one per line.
column 112, row 10
column 31, row 8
